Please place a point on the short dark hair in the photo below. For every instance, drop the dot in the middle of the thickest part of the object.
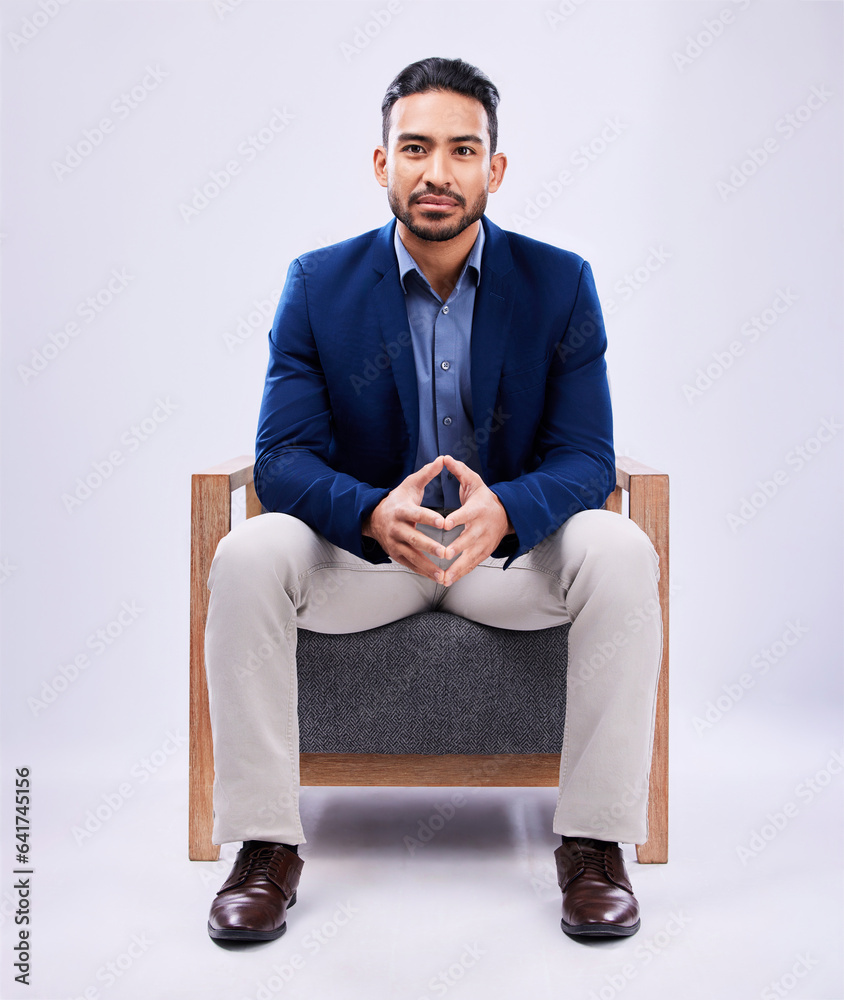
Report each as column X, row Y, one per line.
column 443, row 74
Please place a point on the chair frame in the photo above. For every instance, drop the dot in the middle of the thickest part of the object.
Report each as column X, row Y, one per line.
column 211, row 509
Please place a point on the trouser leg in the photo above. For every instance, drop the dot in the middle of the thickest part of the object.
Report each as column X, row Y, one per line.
column 270, row 574
column 600, row 573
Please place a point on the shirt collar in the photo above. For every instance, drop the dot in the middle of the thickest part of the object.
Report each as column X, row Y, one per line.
column 407, row 263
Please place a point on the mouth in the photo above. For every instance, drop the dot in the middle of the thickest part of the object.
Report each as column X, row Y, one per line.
column 436, row 203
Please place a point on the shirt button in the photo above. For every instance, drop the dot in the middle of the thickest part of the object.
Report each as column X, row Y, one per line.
column 445, row 309
column 447, row 421
column 445, row 365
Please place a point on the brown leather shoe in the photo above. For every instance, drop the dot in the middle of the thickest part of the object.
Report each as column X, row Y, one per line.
column 597, row 895
column 252, row 904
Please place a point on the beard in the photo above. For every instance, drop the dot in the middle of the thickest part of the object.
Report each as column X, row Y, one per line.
column 433, row 227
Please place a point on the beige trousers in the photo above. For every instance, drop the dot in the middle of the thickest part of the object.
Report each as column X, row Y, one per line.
column 598, row 572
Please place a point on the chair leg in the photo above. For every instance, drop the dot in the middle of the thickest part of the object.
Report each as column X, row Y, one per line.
column 649, row 509
column 210, row 521
column 655, row 851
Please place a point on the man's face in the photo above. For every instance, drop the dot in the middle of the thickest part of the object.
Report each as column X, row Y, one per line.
column 437, row 167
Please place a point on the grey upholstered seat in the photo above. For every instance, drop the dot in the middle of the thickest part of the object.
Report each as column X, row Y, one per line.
column 433, row 683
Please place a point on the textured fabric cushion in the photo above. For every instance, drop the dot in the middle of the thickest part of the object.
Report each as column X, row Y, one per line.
column 432, row 683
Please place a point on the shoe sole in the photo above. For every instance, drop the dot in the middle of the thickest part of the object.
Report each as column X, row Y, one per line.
column 599, row 930
column 238, row 934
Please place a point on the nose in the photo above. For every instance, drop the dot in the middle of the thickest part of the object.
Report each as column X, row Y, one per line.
column 438, row 168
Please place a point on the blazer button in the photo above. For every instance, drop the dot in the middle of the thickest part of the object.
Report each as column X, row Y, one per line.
column 447, row 421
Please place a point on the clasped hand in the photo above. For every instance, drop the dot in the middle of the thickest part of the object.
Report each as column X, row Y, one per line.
column 393, row 523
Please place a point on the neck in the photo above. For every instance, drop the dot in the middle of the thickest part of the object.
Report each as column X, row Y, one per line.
column 441, row 263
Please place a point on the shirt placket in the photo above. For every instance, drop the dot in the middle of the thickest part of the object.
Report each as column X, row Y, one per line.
column 446, row 391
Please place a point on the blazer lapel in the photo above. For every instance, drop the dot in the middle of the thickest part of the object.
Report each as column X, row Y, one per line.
column 494, row 302
column 391, row 310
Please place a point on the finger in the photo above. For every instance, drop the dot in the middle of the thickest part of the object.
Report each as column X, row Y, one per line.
column 403, row 541
column 464, row 564
column 423, row 515
column 462, row 471
column 457, row 543
column 422, row 542
column 419, row 563
column 463, row 515
column 423, row 476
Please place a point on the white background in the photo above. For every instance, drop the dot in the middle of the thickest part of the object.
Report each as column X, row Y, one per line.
column 683, row 116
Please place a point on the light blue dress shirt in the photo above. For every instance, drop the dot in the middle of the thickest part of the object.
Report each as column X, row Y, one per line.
column 441, row 333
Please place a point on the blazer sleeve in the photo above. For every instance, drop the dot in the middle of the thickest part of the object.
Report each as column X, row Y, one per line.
column 293, row 448
column 574, row 442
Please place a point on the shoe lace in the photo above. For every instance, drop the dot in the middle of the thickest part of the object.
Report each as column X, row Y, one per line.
column 594, row 858
column 257, row 863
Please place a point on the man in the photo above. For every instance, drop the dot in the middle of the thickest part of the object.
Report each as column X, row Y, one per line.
column 365, row 487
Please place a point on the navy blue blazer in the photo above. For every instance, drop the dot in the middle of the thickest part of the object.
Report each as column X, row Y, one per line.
column 339, row 421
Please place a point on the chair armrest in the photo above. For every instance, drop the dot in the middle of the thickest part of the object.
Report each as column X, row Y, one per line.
column 238, row 470
column 626, row 467
column 211, row 520
column 648, row 507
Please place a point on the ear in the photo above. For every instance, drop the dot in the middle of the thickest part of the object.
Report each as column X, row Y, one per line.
column 379, row 162
column 497, row 166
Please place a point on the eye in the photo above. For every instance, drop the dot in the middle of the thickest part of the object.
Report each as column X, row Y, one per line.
column 465, row 151
column 412, row 148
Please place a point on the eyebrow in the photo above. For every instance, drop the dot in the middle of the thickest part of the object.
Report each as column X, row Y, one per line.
column 413, row 137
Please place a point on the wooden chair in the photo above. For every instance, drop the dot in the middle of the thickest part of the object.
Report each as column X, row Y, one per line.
column 211, row 510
